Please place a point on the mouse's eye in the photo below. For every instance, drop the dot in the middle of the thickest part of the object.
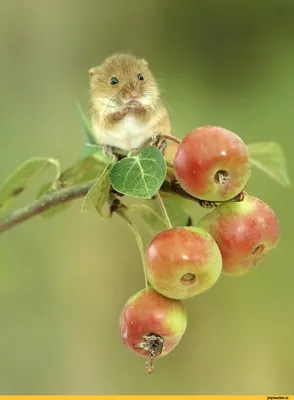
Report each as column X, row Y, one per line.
column 113, row 80
column 140, row 77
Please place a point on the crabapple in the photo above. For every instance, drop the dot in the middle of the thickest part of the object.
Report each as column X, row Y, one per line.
column 152, row 325
column 244, row 231
column 183, row 262
column 212, row 163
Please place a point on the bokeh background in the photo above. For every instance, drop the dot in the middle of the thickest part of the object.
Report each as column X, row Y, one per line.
column 64, row 281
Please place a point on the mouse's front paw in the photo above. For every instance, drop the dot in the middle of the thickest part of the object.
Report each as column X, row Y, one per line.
column 136, row 108
column 120, row 114
column 134, row 105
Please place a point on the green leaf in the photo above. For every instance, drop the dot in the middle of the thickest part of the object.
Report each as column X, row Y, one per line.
column 18, row 181
column 83, row 170
column 151, row 214
column 97, row 153
column 139, row 176
column 99, row 192
column 269, row 158
column 87, row 126
column 177, row 211
column 94, row 150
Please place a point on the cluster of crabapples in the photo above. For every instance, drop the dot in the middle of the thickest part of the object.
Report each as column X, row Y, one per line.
column 211, row 164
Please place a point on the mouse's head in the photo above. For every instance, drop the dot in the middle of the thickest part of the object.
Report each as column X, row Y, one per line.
column 120, row 79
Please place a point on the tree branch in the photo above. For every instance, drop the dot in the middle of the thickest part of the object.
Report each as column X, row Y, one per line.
column 63, row 196
column 45, row 203
column 75, row 192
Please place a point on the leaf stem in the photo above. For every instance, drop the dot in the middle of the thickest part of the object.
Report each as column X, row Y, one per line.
column 163, row 210
column 139, row 240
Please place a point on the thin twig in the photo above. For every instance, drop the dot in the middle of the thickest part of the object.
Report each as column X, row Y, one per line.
column 45, row 203
column 172, row 139
column 175, row 189
column 163, row 210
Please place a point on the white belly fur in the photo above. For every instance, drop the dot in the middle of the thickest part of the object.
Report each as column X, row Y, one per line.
column 127, row 134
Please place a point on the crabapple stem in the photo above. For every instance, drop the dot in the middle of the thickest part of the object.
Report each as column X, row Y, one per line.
column 172, row 139
column 163, row 210
column 139, row 240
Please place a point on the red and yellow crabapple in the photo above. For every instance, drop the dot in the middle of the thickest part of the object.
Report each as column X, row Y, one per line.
column 244, row 231
column 183, row 262
column 152, row 325
column 212, row 163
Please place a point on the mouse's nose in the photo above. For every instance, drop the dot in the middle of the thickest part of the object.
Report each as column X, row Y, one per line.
column 131, row 93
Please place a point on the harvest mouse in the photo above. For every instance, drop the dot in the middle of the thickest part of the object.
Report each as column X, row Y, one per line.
column 126, row 104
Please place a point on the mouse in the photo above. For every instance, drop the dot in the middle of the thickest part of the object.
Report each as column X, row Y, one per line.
column 126, row 104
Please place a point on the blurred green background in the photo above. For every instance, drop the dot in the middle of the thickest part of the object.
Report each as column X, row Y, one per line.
column 64, row 281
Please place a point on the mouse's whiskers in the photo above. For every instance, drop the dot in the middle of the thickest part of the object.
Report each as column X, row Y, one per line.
column 149, row 83
column 150, row 94
column 112, row 103
column 118, row 96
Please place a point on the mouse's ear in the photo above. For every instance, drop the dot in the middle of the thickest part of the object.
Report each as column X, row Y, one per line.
column 93, row 70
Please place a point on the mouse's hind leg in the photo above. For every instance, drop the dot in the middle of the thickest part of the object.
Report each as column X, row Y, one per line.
column 158, row 141
column 114, row 152
column 108, row 150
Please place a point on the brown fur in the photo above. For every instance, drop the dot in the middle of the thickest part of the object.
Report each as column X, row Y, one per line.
column 111, row 104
